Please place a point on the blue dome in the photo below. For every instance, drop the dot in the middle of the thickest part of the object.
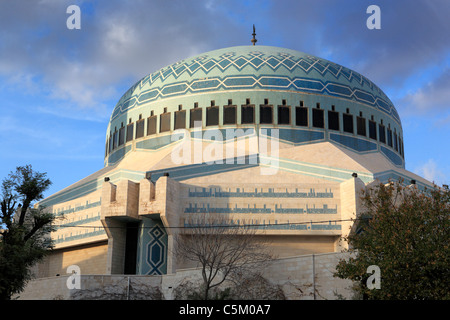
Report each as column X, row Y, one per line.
column 255, row 67
column 354, row 112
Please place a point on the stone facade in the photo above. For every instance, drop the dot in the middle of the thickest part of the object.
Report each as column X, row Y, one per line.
column 306, row 277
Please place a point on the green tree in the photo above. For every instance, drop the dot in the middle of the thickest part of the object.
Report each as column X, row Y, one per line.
column 405, row 232
column 25, row 239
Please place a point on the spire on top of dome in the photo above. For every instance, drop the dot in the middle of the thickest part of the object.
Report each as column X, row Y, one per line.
column 254, row 34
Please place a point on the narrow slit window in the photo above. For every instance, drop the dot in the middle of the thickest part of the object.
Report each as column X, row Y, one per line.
column 382, row 133
column 395, row 141
column 121, row 135
column 372, row 130
column 115, row 139
column 110, row 142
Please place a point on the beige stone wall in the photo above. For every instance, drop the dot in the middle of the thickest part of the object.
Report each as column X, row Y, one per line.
column 310, row 277
column 83, row 211
column 91, row 258
column 305, row 277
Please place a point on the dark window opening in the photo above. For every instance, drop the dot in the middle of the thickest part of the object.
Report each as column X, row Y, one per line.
column 318, row 120
column 372, row 130
column 389, row 136
column 347, row 120
column 121, row 136
column 403, row 150
column 361, row 126
column 265, row 114
column 196, row 115
column 301, row 116
column 115, row 139
column 130, row 131
column 382, row 133
column 248, row 113
column 110, row 142
column 140, row 128
column 333, row 120
column 131, row 244
column 284, row 114
column 212, row 115
column 164, row 122
column 395, row 142
column 229, row 113
column 151, row 125
column 180, row 119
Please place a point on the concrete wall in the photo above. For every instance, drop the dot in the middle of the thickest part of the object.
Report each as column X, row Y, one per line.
column 305, row 277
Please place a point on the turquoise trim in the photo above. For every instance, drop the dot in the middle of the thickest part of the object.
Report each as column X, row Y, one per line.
column 392, row 156
column 359, row 145
column 294, row 136
column 80, row 236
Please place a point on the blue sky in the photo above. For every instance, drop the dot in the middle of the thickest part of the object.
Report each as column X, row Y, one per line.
column 58, row 87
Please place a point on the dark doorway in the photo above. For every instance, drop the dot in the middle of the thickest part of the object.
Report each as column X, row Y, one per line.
column 131, row 248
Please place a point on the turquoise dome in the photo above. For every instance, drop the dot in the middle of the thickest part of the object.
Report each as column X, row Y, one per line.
column 255, row 67
column 257, row 76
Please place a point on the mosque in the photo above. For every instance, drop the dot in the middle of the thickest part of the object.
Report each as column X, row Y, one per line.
column 262, row 135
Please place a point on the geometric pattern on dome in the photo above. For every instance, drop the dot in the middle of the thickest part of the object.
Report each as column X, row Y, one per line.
column 256, row 60
column 252, row 81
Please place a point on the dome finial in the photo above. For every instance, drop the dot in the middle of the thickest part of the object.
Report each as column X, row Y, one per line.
column 254, row 34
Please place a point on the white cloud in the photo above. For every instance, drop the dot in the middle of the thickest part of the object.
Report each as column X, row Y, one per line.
column 430, row 171
column 432, row 98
